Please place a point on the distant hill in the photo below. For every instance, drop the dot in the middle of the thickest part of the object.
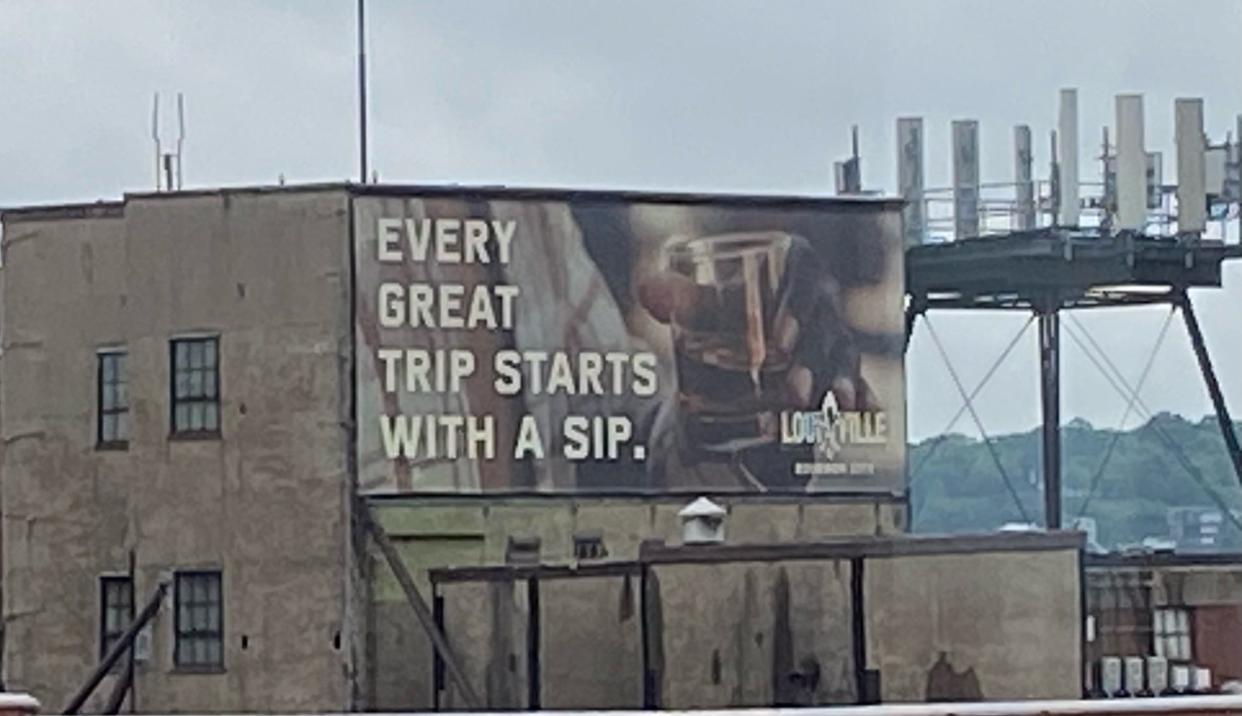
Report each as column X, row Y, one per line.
column 959, row 489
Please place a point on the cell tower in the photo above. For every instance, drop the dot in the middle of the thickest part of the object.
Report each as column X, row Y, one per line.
column 168, row 164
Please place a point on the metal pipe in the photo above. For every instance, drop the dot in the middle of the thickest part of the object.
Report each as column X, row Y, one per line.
column 133, row 582
column 114, row 654
column 120, row 689
column 419, row 605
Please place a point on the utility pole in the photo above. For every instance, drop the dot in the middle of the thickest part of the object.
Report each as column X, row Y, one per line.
column 362, row 92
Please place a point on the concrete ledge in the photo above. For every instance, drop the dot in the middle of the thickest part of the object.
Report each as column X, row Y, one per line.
column 17, row 705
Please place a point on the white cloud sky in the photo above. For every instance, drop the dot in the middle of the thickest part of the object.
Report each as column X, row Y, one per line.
column 753, row 96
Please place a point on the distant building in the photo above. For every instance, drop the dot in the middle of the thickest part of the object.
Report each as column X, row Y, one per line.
column 1201, row 529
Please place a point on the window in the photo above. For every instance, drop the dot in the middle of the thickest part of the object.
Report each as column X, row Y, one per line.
column 1172, row 633
column 522, row 550
column 112, row 399
column 199, row 621
column 116, row 609
column 589, row 546
column 196, row 386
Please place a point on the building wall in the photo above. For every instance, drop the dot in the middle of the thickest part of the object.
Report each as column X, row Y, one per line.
column 746, row 634
column 941, row 619
column 1006, row 622
column 443, row 532
column 265, row 503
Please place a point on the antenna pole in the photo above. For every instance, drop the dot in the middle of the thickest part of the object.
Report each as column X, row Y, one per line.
column 180, row 134
column 362, row 93
column 155, row 136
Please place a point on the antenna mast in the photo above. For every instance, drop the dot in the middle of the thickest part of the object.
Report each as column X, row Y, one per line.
column 168, row 164
column 362, row 93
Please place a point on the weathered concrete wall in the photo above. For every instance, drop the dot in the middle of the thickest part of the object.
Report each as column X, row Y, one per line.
column 942, row 619
column 744, row 634
column 444, row 532
column 491, row 643
column 1006, row 622
column 265, row 503
column 603, row 660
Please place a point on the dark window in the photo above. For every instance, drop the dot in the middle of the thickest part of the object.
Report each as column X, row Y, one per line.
column 589, row 546
column 116, row 608
column 112, row 399
column 196, row 386
column 199, row 621
column 522, row 550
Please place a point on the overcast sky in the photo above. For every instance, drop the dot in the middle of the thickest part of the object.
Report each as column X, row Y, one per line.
column 706, row 96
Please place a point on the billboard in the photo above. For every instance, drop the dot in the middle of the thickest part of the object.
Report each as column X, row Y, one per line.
column 591, row 342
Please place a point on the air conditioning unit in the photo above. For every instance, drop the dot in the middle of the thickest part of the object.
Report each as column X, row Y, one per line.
column 142, row 645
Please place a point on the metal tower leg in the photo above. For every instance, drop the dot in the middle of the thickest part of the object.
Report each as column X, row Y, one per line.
column 1050, row 393
column 914, row 309
column 1209, row 377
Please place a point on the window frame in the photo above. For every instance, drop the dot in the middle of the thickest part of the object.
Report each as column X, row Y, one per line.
column 101, row 356
column 174, row 402
column 106, row 637
column 217, row 634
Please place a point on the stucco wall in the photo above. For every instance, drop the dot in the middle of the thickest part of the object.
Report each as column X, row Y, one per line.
column 265, row 503
column 1012, row 619
column 737, row 634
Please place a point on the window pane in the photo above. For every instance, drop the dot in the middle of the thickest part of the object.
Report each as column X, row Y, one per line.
column 121, row 396
column 122, row 426
column 209, row 384
column 108, row 427
column 182, row 353
column 1183, row 621
column 182, row 384
column 181, row 417
column 209, row 358
column 196, row 416
column 196, row 383
column 196, row 355
column 211, row 418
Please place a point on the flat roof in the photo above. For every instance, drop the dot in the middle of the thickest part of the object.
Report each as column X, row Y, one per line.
column 102, row 208
column 655, row 553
